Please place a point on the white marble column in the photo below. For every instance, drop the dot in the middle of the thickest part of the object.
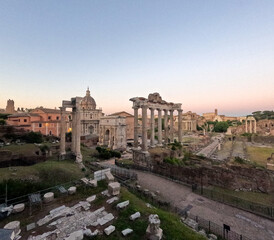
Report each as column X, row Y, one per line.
column 78, row 136
column 180, row 125
column 171, row 127
column 160, row 138
column 152, row 127
column 136, row 127
column 246, row 126
column 63, row 132
column 255, row 127
column 144, row 128
column 166, row 125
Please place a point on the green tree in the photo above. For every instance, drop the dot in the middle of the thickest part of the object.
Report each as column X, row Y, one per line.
column 221, row 127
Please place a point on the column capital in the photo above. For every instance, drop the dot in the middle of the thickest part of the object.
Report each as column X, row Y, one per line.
column 135, row 107
column 180, row 110
column 62, row 108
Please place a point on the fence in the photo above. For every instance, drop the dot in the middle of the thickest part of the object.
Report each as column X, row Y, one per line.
column 208, row 226
column 256, row 208
column 24, row 198
column 216, row 229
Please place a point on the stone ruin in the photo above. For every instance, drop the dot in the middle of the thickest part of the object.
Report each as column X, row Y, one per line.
column 154, row 102
column 154, row 232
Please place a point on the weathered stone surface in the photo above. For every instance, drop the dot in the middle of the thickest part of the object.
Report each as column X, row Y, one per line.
column 72, row 190
column 31, row 226
column 212, row 236
column 202, row 232
column 135, row 216
column 91, row 198
column 93, row 183
column 154, row 232
column 112, row 200
column 100, row 175
column 105, row 193
column 114, row 188
column 127, row 231
column 77, row 235
column 15, row 225
column 107, row 218
column 191, row 223
column 110, row 229
column 18, row 208
column 109, row 177
column 48, row 197
column 122, row 204
column 88, row 233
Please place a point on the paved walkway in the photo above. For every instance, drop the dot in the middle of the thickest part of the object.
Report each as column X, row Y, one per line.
column 247, row 224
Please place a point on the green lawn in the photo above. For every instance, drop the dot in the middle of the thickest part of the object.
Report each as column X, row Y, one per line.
column 26, row 149
column 50, row 166
column 259, row 154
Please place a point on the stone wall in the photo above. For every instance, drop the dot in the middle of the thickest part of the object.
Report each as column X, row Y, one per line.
column 231, row 177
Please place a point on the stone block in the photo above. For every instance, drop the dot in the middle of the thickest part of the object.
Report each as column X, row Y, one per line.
column 15, row 226
column 31, row 226
column 135, row 216
column 48, row 197
column 72, row 190
column 91, row 198
column 122, row 204
column 110, row 229
column 107, row 218
column 109, row 177
column 127, row 231
column 191, row 223
column 212, row 236
column 77, row 235
column 93, row 183
column 18, row 208
column 114, row 188
column 112, row 200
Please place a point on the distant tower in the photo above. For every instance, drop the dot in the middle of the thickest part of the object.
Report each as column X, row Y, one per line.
column 10, row 106
column 216, row 112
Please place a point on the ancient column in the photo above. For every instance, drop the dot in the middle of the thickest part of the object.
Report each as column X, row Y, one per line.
column 136, row 127
column 152, row 127
column 144, row 128
column 255, row 127
column 180, row 125
column 250, row 126
column 160, row 138
column 246, row 125
column 63, row 132
column 166, row 125
column 78, row 136
column 73, row 132
column 171, row 126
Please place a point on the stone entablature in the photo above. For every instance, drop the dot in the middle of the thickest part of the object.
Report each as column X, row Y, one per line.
column 154, row 102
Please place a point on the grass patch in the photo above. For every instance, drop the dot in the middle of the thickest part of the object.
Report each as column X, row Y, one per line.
column 261, row 198
column 259, row 155
column 26, row 149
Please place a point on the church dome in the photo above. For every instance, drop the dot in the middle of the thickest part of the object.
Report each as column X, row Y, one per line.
column 88, row 102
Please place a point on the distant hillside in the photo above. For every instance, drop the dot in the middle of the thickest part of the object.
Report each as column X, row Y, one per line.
column 259, row 115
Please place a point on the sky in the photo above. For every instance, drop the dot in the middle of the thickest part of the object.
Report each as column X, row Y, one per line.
column 204, row 54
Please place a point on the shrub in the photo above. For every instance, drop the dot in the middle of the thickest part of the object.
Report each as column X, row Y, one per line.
column 239, row 160
column 33, row 137
column 173, row 161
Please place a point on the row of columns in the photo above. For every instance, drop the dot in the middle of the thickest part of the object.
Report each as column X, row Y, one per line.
column 167, row 134
column 251, row 129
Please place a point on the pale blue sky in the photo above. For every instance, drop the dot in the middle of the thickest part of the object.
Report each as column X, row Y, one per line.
column 205, row 54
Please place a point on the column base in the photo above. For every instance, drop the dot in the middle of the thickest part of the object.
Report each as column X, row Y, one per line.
column 62, row 156
column 79, row 158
